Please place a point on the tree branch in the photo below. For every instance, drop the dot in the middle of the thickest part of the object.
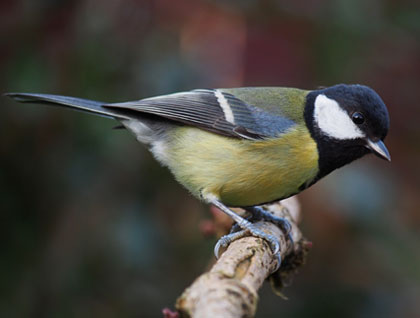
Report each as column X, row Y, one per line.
column 230, row 288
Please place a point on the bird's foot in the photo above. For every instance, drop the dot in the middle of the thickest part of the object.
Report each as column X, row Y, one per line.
column 247, row 228
column 258, row 214
column 226, row 240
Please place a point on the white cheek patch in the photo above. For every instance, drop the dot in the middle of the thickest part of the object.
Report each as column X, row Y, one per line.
column 333, row 120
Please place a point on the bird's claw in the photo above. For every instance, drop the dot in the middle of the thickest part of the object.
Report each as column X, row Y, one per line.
column 221, row 243
column 275, row 246
column 278, row 255
column 225, row 240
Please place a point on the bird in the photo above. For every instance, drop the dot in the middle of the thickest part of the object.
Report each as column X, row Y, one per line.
column 249, row 146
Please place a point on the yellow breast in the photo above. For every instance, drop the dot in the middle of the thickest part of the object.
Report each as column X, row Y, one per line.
column 242, row 172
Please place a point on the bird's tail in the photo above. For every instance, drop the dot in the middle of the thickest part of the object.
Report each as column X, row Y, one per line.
column 84, row 105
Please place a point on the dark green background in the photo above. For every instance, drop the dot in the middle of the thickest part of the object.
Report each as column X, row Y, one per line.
column 91, row 226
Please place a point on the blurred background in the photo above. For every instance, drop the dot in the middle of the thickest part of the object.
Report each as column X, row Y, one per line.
column 92, row 226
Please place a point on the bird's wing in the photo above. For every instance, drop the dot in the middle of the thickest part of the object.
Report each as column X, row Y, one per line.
column 213, row 110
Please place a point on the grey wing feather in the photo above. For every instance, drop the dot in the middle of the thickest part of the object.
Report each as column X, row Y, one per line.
column 213, row 110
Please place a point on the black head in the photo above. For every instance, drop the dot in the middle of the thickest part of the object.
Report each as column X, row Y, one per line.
column 347, row 122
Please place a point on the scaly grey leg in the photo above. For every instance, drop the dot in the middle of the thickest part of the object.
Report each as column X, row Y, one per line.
column 247, row 226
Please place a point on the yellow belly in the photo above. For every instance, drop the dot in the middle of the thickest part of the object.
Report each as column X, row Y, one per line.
column 242, row 172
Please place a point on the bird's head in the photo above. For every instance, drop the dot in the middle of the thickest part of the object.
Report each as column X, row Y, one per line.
column 347, row 122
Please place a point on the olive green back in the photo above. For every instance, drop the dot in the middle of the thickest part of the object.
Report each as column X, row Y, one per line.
column 281, row 101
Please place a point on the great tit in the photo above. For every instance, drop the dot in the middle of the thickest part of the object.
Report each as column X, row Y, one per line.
column 244, row 147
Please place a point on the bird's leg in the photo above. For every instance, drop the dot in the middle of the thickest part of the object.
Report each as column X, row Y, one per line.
column 247, row 227
column 235, row 233
column 258, row 213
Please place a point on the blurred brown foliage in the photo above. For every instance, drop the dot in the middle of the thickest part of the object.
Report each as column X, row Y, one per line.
column 93, row 227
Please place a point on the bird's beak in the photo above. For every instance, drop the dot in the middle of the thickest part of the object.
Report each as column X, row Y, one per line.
column 378, row 148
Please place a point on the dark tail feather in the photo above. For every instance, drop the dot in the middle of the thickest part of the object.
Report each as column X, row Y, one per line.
column 85, row 105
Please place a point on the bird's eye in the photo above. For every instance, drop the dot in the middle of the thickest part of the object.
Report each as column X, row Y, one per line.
column 358, row 118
